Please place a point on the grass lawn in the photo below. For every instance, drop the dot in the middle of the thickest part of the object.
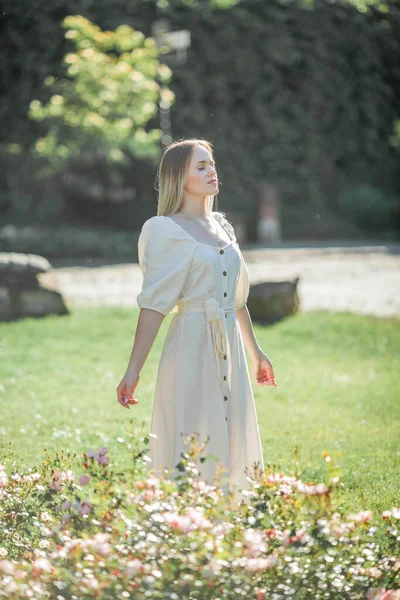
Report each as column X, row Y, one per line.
column 339, row 392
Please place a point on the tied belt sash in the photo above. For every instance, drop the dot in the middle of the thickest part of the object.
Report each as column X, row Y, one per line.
column 215, row 315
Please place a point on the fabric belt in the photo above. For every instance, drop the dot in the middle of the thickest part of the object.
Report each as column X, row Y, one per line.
column 215, row 315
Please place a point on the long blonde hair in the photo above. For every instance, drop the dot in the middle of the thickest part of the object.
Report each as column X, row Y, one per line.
column 172, row 172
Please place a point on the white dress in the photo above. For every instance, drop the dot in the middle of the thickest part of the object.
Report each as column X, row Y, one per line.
column 203, row 383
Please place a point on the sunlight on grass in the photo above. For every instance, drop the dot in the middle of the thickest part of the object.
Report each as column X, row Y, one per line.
column 338, row 377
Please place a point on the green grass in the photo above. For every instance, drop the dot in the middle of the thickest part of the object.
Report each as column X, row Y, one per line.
column 339, row 392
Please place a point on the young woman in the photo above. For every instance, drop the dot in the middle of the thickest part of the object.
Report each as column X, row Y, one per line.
column 190, row 259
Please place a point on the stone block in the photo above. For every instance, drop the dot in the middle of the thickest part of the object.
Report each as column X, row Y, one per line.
column 23, row 263
column 5, row 304
column 40, row 302
column 22, row 294
column 271, row 301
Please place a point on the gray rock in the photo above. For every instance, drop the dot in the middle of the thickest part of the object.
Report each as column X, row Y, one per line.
column 41, row 302
column 271, row 301
column 11, row 262
column 5, row 304
column 22, row 293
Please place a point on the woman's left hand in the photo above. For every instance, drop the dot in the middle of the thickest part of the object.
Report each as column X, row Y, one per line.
column 262, row 370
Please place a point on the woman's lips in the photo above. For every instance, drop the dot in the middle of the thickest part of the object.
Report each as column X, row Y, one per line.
column 213, row 181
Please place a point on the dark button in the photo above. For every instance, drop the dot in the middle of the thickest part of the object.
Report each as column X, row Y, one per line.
column 224, row 356
column 225, row 273
column 221, row 251
column 225, row 294
column 225, row 377
column 225, row 397
column 226, row 316
column 226, row 418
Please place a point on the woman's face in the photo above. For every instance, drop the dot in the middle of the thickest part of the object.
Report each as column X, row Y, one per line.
column 201, row 176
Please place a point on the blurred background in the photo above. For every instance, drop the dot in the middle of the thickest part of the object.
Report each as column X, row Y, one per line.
column 301, row 101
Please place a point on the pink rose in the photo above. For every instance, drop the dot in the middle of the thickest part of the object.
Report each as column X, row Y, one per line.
column 40, row 565
column 179, row 522
column 84, row 508
column 133, row 567
column 100, row 543
column 361, row 517
column 260, row 564
column 7, row 567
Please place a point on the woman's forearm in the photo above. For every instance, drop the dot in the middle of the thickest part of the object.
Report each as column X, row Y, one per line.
column 148, row 325
column 248, row 335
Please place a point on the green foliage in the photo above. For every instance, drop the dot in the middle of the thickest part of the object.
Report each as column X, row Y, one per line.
column 395, row 139
column 310, row 223
column 196, row 4
column 302, row 94
column 67, row 241
column 113, row 86
column 304, row 102
column 364, row 6
column 370, row 208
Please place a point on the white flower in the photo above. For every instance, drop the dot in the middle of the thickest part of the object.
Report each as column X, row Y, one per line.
column 133, row 567
column 7, row 567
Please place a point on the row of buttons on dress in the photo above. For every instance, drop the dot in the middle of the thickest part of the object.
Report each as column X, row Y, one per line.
column 225, row 273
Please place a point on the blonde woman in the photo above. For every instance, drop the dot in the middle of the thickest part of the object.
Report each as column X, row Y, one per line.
column 191, row 261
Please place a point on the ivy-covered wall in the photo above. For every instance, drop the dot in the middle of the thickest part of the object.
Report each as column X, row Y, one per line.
column 301, row 98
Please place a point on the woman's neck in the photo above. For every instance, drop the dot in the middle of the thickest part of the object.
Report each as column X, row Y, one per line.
column 190, row 215
column 194, row 209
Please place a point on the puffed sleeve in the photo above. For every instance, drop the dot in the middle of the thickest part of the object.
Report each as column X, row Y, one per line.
column 164, row 259
column 243, row 285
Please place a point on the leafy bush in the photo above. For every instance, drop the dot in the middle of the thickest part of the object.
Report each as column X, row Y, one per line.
column 67, row 241
column 370, row 208
column 114, row 83
column 302, row 98
column 110, row 534
column 304, row 222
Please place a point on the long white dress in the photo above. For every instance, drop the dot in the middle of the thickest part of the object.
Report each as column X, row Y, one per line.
column 203, row 383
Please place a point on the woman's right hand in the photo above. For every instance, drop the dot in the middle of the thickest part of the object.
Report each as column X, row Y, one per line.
column 126, row 389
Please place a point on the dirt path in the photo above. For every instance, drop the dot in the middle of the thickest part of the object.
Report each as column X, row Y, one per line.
column 362, row 279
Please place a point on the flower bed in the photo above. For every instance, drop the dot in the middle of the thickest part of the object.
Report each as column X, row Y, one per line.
column 78, row 528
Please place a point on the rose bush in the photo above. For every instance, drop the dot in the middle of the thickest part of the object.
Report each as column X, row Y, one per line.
column 80, row 529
